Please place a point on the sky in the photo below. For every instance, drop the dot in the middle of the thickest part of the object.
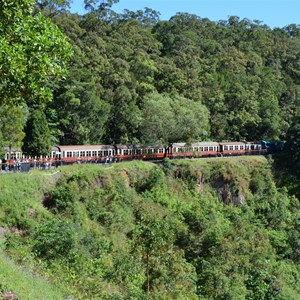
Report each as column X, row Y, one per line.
column 274, row 13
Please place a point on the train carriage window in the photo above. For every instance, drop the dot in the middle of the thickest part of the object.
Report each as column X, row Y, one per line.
column 105, row 152
column 82, row 153
column 99, row 153
column 94, row 153
column 230, row 147
column 161, row 150
column 241, row 147
column 88, row 153
column 236, row 147
column 69, row 154
column 211, row 148
column 226, row 148
column 205, row 148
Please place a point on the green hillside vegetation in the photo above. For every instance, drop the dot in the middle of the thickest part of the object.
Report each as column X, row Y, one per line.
column 184, row 229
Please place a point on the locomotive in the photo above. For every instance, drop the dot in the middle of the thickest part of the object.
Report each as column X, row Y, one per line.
column 111, row 153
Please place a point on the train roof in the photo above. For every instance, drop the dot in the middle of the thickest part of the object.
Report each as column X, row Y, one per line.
column 232, row 143
column 129, row 146
column 84, row 147
column 197, row 144
column 253, row 143
column 205, row 144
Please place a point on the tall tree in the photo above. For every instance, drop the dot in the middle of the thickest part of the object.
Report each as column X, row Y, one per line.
column 168, row 119
column 38, row 138
column 52, row 7
column 12, row 123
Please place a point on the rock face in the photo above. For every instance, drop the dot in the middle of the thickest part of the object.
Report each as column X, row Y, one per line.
column 228, row 195
column 2, row 232
column 9, row 296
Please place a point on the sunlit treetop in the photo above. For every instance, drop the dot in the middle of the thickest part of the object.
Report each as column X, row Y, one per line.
column 33, row 51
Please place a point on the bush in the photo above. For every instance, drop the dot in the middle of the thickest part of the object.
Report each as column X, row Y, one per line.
column 55, row 238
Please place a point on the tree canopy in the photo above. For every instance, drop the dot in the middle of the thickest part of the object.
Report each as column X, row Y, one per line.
column 168, row 119
column 33, row 51
column 243, row 75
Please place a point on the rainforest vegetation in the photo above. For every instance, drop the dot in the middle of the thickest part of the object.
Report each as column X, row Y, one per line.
column 107, row 77
column 197, row 229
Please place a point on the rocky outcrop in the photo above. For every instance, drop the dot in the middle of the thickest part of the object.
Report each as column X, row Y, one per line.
column 228, row 193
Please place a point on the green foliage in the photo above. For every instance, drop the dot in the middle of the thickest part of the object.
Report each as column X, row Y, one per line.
column 12, row 124
column 241, row 74
column 23, row 283
column 291, row 149
column 33, row 51
column 37, row 139
column 2, row 145
column 54, row 239
column 169, row 119
column 133, row 232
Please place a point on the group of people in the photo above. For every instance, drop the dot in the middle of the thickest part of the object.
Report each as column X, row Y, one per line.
column 15, row 166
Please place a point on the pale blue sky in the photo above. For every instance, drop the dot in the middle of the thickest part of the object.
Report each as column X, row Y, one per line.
column 274, row 13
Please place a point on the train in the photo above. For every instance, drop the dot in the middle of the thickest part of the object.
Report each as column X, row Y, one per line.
column 68, row 154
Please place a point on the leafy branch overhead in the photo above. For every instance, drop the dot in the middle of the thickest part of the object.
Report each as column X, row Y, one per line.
column 32, row 51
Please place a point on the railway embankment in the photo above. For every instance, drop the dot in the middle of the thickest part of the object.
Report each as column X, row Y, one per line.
column 180, row 229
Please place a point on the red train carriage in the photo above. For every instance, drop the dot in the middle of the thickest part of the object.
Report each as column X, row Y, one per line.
column 200, row 149
column 241, row 148
column 127, row 152
column 232, row 148
column 73, row 153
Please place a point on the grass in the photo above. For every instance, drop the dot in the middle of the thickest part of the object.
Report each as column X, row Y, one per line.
column 25, row 284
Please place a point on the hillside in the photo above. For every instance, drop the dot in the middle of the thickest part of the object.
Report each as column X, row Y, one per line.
column 185, row 229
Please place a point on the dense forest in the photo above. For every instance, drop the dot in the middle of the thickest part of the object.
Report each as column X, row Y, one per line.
column 107, row 77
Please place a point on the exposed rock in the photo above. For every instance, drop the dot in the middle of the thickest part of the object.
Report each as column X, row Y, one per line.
column 2, row 231
column 48, row 200
column 9, row 296
column 125, row 175
column 228, row 194
column 32, row 213
column 200, row 183
column 100, row 182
